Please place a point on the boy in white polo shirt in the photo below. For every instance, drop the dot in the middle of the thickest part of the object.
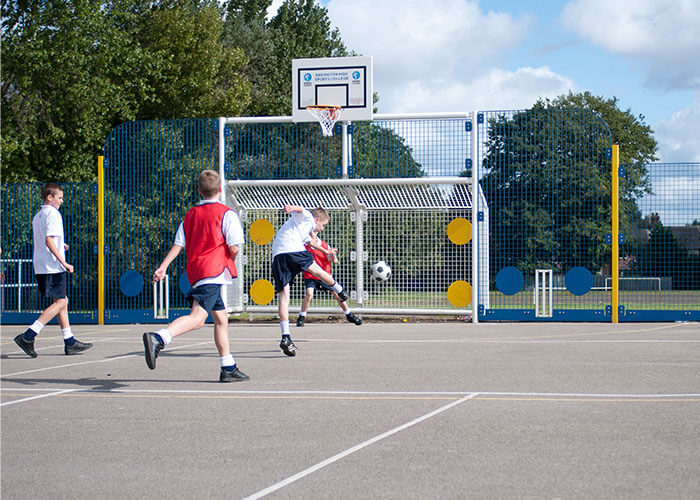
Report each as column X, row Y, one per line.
column 290, row 257
column 50, row 268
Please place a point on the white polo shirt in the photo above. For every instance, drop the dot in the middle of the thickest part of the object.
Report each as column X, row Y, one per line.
column 48, row 222
column 294, row 233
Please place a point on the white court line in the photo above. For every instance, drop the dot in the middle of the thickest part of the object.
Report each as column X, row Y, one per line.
column 38, row 397
column 455, row 394
column 97, row 360
column 343, row 454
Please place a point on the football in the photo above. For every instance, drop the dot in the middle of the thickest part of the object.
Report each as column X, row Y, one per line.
column 381, row 271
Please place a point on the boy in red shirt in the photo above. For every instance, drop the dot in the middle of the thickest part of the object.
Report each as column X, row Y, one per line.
column 323, row 257
column 213, row 235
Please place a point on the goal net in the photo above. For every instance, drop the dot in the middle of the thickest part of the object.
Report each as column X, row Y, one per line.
column 402, row 221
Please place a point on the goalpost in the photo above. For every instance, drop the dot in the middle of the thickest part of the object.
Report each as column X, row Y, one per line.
column 403, row 221
column 421, row 226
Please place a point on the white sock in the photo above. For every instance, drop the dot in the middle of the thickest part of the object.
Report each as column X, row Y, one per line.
column 302, row 314
column 337, row 287
column 36, row 327
column 67, row 333
column 165, row 335
column 284, row 325
column 227, row 360
column 347, row 313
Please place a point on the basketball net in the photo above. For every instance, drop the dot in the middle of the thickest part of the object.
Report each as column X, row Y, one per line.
column 326, row 116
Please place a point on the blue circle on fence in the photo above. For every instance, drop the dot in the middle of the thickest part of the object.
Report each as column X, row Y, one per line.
column 185, row 286
column 131, row 283
column 578, row 280
column 509, row 280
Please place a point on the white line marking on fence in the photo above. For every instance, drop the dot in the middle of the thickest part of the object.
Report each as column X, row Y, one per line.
column 343, row 454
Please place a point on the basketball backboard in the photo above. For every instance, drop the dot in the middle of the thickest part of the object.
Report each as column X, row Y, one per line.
column 340, row 81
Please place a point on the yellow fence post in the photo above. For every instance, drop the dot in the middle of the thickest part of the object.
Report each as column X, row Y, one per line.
column 615, row 231
column 100, row 241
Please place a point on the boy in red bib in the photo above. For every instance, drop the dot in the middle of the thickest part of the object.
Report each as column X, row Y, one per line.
column 324, row 257
column 213, row 235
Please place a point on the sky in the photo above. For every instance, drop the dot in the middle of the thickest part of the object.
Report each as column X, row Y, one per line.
column 464, row 55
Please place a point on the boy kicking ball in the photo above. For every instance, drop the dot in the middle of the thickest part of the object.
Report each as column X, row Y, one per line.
column 213, row 235
column 324, row 258
column 290, row 257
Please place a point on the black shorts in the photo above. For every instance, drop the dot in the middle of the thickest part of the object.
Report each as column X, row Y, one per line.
column 208, row 297
column 52, row 286
column 318, row 285
column 286, row 266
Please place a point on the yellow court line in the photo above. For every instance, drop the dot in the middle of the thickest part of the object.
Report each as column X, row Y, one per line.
column 608, row 332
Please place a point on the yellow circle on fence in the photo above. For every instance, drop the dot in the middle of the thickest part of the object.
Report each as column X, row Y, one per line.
column 262, row 292
column 459, row 231
column 460, row 294
column 261, row 231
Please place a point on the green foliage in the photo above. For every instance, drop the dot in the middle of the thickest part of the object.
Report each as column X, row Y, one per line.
column 70, row 72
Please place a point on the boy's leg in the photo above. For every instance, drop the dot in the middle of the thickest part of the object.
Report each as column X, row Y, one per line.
column 154, row 342
column 305, row 303
column 327, row 279
column 229, row 371
column 346, row 309
column 286, row 343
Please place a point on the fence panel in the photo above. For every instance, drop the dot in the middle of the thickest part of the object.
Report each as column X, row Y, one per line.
column 21, row 302
column 546, row 177
column 660, row 254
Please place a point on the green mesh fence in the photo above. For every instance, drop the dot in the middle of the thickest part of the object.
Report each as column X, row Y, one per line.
column 21, row 302
column 660, row 252
column 546, row 178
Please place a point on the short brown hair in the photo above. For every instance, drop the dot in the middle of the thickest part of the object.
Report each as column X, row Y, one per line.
column 321, row 214
column 208, row 183
column 50, row 189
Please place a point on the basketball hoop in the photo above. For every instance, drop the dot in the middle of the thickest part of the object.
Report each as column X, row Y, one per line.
column 326, row 116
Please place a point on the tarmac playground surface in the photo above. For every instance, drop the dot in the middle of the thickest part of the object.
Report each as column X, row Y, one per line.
column 385, row 410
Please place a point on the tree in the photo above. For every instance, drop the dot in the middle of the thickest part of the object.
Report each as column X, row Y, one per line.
column 301, row 28
column 73, row 71
column 70, row 72
column 195, row 75
column 547, row 180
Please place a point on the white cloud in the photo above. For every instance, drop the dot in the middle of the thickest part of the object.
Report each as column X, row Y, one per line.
column 494, row 89
column 442, row 55
column 661, row 35
column 678, row 136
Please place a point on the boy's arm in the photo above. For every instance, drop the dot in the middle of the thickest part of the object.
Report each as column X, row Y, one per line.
column 328, row 251
column 51, row 244
column 159, row 273
column 293, row 208
column 233, row 249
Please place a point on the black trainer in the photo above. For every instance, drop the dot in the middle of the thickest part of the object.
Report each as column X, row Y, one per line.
column 77, row 347
column 354, row 319
column 288, row 346
column 152, row 347
column 343, row 296
column 26, row 346
column 300, row 320
column 234, row 375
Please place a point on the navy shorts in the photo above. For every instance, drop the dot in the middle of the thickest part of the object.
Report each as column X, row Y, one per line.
column 52, row 286
column 286, row 266
column 208, row 297
column 318, row 285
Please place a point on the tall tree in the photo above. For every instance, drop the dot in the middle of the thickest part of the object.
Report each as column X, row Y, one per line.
column 547, row 180
column 195, row 75
column 70, row 72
